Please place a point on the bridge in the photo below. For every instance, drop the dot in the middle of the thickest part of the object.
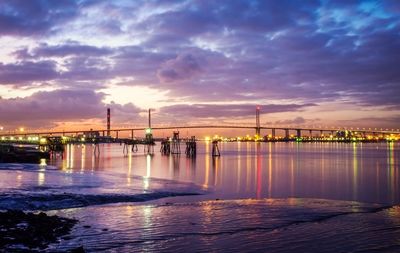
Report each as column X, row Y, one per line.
column 288, row 131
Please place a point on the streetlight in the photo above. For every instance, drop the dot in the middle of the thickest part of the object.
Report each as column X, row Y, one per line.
column 21, row 129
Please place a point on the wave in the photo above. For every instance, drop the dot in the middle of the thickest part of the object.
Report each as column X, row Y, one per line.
column 30, row 202
column 25, row 166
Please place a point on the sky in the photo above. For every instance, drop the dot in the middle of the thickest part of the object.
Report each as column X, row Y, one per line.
column 305, row 63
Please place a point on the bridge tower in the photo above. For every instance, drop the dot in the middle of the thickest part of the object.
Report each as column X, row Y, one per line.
column 149, row 118
column 108, row 121
column 258, row 128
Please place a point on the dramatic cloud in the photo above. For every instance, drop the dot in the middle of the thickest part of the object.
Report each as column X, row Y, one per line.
column 227, row 110
column 184, row 66
column 56, row 105
column 295, row 121
column 21, row 73
column 68, row 49
column 44, row 109
column 24, row 18
column 208, row 52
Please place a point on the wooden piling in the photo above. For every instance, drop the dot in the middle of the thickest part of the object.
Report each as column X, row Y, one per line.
column 215, row 149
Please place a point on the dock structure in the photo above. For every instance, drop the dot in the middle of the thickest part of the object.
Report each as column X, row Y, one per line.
column 176, row 143
column 165, row 148
column 190, row 150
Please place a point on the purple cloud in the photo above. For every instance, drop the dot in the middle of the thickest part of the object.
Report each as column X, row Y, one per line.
column 226, row 110
column 22, row 73
column 68, row 49
column 26, row 18
column 47, row 109
column 184, row 66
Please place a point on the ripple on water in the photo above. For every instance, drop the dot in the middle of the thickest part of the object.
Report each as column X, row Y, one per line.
column 280, row 225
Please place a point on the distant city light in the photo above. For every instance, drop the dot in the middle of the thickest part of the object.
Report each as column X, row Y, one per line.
column 21, row 129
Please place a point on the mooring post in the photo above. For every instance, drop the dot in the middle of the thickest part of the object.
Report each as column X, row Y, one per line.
column 191, row 147
column 176, row 147
column 215, row 149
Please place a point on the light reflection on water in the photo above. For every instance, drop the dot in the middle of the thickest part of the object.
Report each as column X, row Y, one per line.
column 355, row 171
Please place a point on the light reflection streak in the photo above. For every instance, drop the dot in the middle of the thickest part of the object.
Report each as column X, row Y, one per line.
column 148, row 172
column 239, row 168
column 391, row 170
column 42, row 170
column 215, row 169
column 147, row 214
column 248, row 167
column 291, row 176
column 19, row 179
column 322, row 169
column 207, row 166
column 259, row 177
column 83, row 157
column 93, row 162
column 128, row 176
column 377, row 180
column 355, row 171
column 71, row 164
column 176, row 162
column 270, row 170
column 68, row 164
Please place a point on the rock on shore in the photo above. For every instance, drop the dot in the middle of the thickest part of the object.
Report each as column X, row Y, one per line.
column 20, row 231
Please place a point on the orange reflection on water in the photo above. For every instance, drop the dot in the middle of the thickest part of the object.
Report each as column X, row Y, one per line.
column 259, row 176
column 83, row 157
column 270, row 170
column 355, row 171
column 146, row 179
column 248, row 166
column 215, row 169
column 129, row 174
column 207, row 165
column 68, row 162
column 391, row 170
column 239, row 167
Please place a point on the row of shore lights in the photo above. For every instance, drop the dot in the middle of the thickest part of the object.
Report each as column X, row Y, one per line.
column 21, row 129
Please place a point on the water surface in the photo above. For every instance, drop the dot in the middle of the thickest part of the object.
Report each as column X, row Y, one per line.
column 274, row 197
column 340, row 171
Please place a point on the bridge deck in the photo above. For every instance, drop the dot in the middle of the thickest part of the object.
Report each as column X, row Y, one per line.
column 43, row 133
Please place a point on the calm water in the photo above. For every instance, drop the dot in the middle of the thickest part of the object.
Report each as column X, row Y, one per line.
column 268, row 197
column 358, row 172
